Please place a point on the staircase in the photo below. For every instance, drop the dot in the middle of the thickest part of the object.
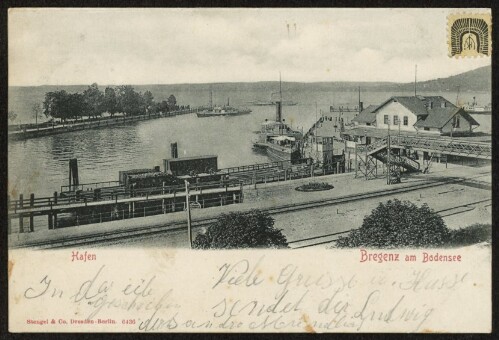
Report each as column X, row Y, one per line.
column 378, row 150
column 398, row 160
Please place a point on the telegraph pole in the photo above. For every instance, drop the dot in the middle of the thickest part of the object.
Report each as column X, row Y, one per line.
column 188, row 209
column 388, row 154
column 415, row 78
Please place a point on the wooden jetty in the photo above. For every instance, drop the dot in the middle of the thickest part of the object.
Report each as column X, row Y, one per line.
column 28, row 131
column 115, row 205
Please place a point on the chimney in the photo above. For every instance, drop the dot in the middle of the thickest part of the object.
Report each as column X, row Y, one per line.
column 361, row 107
column 278, row 113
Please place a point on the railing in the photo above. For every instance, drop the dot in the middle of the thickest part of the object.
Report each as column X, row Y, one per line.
column 27, row 130
column 90, row 196
column 403, row 161
column 89, row 186
column 446, row 146
column 373, row 147
column 442, row 145
column 154, row 208
column 253, row 167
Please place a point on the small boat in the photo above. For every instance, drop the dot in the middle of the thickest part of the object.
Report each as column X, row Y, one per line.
column 218, row 111
column 273, row 103
column 477, row 109
column 223, row 111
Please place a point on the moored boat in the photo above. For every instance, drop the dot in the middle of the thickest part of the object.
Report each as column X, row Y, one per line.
column 477, row 109
column 226, row 110
column 279, row 140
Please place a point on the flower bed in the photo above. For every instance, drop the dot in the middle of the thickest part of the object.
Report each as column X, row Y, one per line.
column 314, row 186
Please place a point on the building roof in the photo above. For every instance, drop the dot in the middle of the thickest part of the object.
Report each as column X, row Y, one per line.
column 440, row 116
column 413, row 104
column 368, row 115
column 432, row 111
column 420, row 105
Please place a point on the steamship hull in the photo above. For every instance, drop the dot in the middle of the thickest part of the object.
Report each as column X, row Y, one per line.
column 274, row 152
column 221, row 114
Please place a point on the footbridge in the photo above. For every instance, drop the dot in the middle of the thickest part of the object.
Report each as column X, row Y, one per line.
column 400, row 153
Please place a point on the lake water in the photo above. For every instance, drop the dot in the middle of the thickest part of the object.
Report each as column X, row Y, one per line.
column 40, row 165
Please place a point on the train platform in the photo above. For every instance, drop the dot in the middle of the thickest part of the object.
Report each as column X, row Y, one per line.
column 269, row 196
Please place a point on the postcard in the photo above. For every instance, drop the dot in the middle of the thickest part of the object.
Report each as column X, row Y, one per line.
column 247, row 170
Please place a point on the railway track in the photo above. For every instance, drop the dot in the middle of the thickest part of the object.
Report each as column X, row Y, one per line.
column 329, row 238
column 114, row 236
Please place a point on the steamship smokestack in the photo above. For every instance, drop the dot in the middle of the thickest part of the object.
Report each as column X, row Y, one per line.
column 278, row 106
column 278, row 111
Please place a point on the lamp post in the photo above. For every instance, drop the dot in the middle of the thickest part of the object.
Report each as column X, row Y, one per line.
column 188, row 209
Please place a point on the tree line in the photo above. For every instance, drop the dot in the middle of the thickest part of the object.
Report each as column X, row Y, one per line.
column 93, row 103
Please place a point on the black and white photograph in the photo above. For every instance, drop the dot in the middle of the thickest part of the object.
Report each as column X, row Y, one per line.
column 357, row 133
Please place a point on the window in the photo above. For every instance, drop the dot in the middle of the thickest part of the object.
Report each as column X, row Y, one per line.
column 395, row 120
column 427, row 129
column 385, row 119
column 406, row 120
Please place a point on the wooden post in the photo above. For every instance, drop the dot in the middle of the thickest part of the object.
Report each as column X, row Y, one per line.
column 356, row 164
column 50, row 221
column 188, row 208
column 31, row 204
column 21, row 218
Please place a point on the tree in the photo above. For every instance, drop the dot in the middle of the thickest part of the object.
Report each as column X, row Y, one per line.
column 148, row 101
column 128, row 100
column 163, row 106
column 172, row 102
column 36, row 110
column 109, row 102
column 55, row 105
column 76, row 105
column 397, row 224
column 253, row 229
column 93, row 101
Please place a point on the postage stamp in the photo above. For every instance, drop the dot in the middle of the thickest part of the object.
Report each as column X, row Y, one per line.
column 469, row 35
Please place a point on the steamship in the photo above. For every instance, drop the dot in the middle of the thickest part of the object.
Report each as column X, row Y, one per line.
column 218, row 111
column 278, row 139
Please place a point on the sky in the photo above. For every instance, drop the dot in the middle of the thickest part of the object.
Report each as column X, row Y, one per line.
column 53, row 46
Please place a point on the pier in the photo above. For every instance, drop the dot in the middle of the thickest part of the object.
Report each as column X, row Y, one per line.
column 79, row 204
column 29, row 131
column 118, row 204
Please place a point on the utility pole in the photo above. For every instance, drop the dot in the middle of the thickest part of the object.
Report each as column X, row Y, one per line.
column 388, row 154
column 188, row 209
column 415, row 79
column 399, row 133
column 359, row 101
column 316, row 129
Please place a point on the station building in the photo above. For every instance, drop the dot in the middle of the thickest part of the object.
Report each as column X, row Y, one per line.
column 430, row 116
